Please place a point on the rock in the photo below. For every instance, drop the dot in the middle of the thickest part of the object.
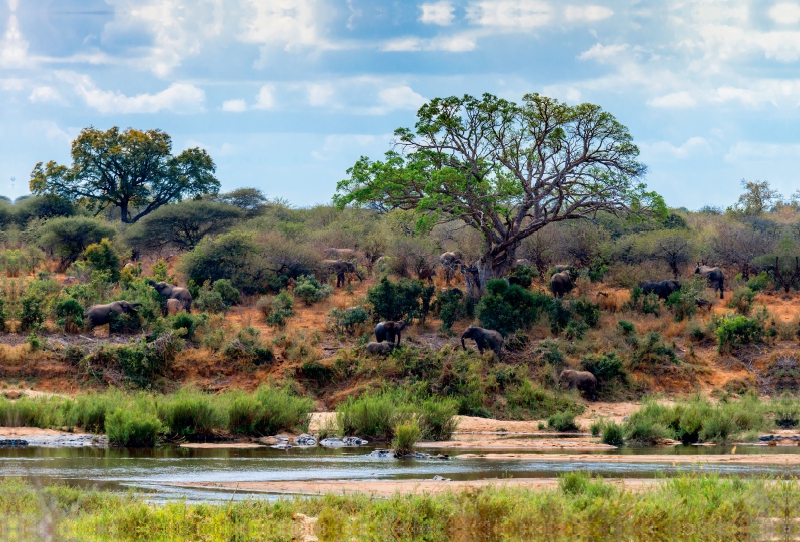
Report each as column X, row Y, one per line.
column 438, row 478
column 440, row 456
column 305, row 440
column 13, row 442
column 332, row 442
column 354, row 441
column 282, row 446
column 383, row 454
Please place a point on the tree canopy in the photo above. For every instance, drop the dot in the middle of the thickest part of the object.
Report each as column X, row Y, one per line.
column 506, row 170
column 68, row 237
column 133, row 170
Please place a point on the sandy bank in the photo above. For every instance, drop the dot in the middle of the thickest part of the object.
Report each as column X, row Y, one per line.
column 221, row 445
column 385, row 488
column 489, row 443
column 773, row 459
column 35, row 436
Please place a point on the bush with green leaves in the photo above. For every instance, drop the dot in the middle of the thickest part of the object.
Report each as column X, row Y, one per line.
column 627, row 328
column 406, row 435
column 646, row 304
column 310, row 290
column 3, row 314
column 562, row 421
column 738, row 331
column 230, row 295
column 451, row 306
column 248, row 346
column 540, row 403
column 32, row 311
column 210, row 301
column 405, row 299
column 742, row 300
column 606, row 368
column 68, row 311
column 507, row 308
column 587, row 311
column 67, row 238
column 653, row 353
column 560, row 316
column 347, row 321
column 133, row 427
column 267, row 411
column 189, row 414
column 759, row 282
column 141, row 362
column 184, row 320
column 102, row 257
column 281, row 309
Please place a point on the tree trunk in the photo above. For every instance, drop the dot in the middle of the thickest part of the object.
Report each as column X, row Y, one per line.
column 486, row 269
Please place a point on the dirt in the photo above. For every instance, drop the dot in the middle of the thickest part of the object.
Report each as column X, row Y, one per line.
column 584, row 443
column 767, row 459
column 386, row 488
column 221, row 445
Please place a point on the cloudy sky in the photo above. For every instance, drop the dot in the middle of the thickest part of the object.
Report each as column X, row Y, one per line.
column 286, row 94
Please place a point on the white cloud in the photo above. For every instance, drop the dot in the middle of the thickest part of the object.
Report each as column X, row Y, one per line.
column 265, row 98
column 408, row 43
column 319, row 94
column 664, row 149
column 177, row 29
column 234, row 106
column 605, row 53
column 290, row 24
column 440, row 13
column 745, row 151
column 509, row 14
column 178, row 97
column 456, row 43
column 674, row 100
column 13, row 48
column 45, row 94
column 785, row 13
column 587, row 13
column 401, row 98
column 337, row 144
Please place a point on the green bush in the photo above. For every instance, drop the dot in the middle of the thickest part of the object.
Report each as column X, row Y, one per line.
column 249, row 347
column 540, row 403
column 230, row 295
column 646, row 304
column 742, row 300
column 141, row 362
column 68, row 237
column 587, row 311
column 560, row 316
column 787, row 412
column 32, row 312
column 406, row 434
column 189, row 414
column 3, row 314
column 507, row 308
column 310, row 290
column 451, row 306
column 626, row 327
column 267, row 411
column 738, row 331
column 653, row 352
column 606, row 368
column 281, row 309
column 758, row 283
column 613, row 434
column 405, row 299
column 342, row 321
column 69, row 310
column 184, row 320
column 562, row 421
column 132, row 427
column 102, row 257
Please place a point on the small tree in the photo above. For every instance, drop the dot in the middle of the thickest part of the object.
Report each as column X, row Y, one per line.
column 68, row 237
column 102, row 257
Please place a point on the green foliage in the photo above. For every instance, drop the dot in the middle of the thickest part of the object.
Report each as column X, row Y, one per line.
column 3, row 314
column 740, row 330
column 160, row 271
column 189, row 414
column 342, row 321
column 67, row 238
column 451, row 306
column 184, row 320
column 613, row 434
column 32, row 312
column 562, row 421
column 281, row 309
column 587, row 311
column 69, row 311
column 133, row 427
column 626, row 327
column 758, row 283
column 34, row 341
column 406, row 434
column 401, row 300
column 742, row 300
column 267, row 411
column 646, row 304
column 310, row 290
column 541, row 403
column 230, row 295
column 248, row 346
column 141, row 362
column 102, row 257
column 607, row 368
column 653, row 353
column 507, row 308
column 787, row 412
column 560, row 316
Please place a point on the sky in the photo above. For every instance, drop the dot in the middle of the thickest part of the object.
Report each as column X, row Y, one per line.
column 285, row 95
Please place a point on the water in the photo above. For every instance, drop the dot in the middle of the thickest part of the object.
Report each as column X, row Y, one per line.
column 152, row 471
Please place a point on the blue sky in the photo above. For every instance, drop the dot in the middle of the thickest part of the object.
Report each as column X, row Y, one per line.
column 287, row 94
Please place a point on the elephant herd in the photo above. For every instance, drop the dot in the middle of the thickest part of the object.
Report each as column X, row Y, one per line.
column 176, row 297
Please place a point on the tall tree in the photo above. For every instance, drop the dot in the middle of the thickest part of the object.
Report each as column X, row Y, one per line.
column 132, row 169
column 506, row 170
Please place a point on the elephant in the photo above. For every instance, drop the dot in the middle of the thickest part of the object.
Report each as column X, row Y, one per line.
column 561, row 283
column 449, row 261
column 173, row 292
column 523, row 262
column 341, row 268
column 347, row 254
column 388, row 330
column 581, row 380
column 714, row 276
column 484, row 338
column 662, row 289
column 472, row 278
column 99, row 315
column 379, row 349
column 174, row 306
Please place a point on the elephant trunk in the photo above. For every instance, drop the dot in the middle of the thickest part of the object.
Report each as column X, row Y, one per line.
column 464, row 346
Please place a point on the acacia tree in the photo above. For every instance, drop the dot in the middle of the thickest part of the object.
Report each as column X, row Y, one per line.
column 506, row 170
column 133, row 170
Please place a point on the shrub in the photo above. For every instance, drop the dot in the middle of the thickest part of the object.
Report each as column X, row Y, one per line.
column 184, row 320
column 189, row 414
column 132, row 427
column 524, row 274
column 281, row 309
column 248, row 346
column 540, row 403
column 787, row 412
column 742, row 300
column 401, row 300
column 69, row 311
column 342, row 321
column 653, row 352
column 34, row 341
column 562, row 421
column 68, row 237
column 267, row 411
column 626, row 327
column 560, row 316
column 587, row 311
column 508, row 308
column 613, row 434
column 646, row 304
column 451, row 306
column 141, row 362
column 32, row 312
column 406, row 434
column 758, row 283
column 230, row 295
column 102, row 257
column 367, row 416
column 310, row 290
column 210, row 301
column 3, row 314
column 644, row 431
column 606, row 368
column 734, row 332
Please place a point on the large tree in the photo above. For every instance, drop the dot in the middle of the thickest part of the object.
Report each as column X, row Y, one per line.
column 505, row 169
column 133, row 170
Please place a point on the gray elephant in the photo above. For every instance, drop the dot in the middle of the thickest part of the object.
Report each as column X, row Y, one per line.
column 341, row 268
column 379, row 349
column 714, row 276
column 561, row 283
column 341, row 254
column 99, row 315
column 173, row 292
column 583, row 381
column 484, row 338
column 662, row 289
column 388, row 330
column 449, row 262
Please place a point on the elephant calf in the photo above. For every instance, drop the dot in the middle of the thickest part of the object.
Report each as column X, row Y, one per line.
column 379, row 349
column 561, row 283
column 389, row 330
column 99, row 315
column 173, row 292
column 583, row 381
column 484, row 338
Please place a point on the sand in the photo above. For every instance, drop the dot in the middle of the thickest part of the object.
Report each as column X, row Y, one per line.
column 385, row 488
column 753, row 459
column 468, row 441
column 221, row 445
